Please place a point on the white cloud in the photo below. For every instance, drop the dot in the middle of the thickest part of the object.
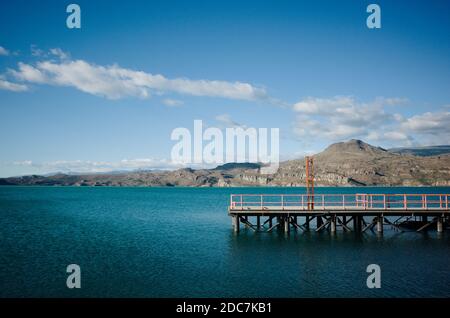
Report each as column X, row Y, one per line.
column 172, row 102
column 433, row 123
column 227, row 121
column 28, row 73
column 115, row 82
column 3, row 51
column 23, row 163
column 392, row 101
column 60, row 53
column 35, row 51
column 338, row 118
column 343, row 117
column 322, row 106
column 6, row 85
column 80, row 166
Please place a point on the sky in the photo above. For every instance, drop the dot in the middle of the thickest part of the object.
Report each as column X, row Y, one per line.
column 107, row 96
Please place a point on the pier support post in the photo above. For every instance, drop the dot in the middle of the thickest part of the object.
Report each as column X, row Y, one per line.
column 424, row 219
column 258, row 222
column 286, row 224
column 280, row 222
column 235, row 222
column 440, row 224
column 270, row 222
column 333, row 224
column 380, row 221
column 357, row 223
column 307, row 223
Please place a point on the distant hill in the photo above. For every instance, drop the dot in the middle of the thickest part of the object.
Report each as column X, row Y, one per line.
column 341, row 164
column 238, row 165
column 423, row 151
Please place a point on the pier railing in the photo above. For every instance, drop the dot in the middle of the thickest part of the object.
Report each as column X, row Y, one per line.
column 361, row 201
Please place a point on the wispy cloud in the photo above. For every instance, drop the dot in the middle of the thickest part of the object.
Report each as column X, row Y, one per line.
column 6, row 85
column 3, row 51
column 37, row 52
column 60, row 53
column 227, row 121
column 114, row 82
column 172, row 102
column 80, row 166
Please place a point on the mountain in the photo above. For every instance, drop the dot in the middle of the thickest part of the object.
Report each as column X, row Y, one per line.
column 341, row 164
column 357, row 163
column 423, row 151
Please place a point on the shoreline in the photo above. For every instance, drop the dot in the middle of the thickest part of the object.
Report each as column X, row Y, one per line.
column 231, row 187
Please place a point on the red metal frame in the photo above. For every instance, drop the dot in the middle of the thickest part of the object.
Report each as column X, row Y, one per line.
column 309, row 175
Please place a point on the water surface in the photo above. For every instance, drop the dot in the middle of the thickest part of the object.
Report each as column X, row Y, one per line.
column 178, row 242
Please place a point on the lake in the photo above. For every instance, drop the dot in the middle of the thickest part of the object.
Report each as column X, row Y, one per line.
column 178, row 242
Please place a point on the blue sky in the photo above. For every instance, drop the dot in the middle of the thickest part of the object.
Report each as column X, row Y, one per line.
column 107, row 96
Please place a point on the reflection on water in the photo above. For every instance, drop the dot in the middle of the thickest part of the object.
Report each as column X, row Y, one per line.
column 310, row 264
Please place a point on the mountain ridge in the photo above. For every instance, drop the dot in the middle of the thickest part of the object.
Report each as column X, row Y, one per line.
column 350, row 163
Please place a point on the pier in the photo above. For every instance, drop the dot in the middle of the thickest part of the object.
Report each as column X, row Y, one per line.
column 333, row 212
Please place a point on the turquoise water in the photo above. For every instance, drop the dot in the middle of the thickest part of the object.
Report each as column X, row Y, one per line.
column 178, row 242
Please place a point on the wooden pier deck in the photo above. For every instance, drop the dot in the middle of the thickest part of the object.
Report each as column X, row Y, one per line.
column 330, row 211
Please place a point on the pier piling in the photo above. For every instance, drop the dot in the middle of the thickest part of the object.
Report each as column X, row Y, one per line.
column 307, row 220
column 380, row 221
column 286, row 224
column 333, row 224
column 235, row 221
column 440, row 224
column 357, row 223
